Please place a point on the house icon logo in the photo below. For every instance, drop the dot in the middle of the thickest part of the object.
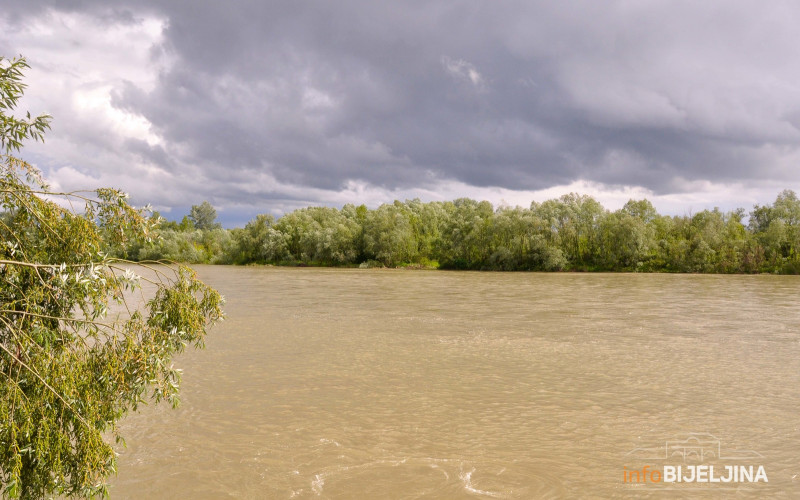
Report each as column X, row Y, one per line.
column 696, row 447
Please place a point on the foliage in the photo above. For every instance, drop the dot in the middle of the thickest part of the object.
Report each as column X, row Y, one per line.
column 318, row 235
column 203, row 217
column 83, row 338
column 390, row 236
column 14, row 130
column 573, row 232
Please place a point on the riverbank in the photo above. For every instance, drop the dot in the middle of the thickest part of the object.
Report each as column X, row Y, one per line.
column 571, row 233
column 436, row 267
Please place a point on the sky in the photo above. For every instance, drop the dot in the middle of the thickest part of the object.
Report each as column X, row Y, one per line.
column 269, row 106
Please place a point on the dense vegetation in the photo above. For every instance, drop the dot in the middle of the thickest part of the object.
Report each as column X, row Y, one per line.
column 78, row 349
column 572, row 232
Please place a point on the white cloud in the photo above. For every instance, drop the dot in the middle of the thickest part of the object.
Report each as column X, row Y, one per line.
column 78, row 61
column 697, row 197
column 316, row 99
column 94, row 102
column 463, row 70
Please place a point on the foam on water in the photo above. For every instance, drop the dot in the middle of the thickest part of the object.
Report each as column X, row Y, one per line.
column 466, row 478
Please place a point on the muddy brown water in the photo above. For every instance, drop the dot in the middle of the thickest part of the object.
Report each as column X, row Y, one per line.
column 349, row 383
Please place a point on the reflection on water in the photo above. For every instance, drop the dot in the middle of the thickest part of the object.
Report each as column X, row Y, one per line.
column 347, row 383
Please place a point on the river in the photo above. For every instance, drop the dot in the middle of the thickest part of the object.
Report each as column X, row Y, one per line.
column 350, row 383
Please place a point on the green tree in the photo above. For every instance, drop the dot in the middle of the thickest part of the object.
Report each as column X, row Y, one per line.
column 641, row 209
column 204, row 216
column 186, row 224
column 163, row 223
column 466, row 234
column 389, row 235
column 77, row 352
column 251, row 240
column 574, row 225
column 320, row 235
column 14, row 130
column 626, row 240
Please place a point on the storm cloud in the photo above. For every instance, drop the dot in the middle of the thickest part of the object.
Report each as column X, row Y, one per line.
column 266, row 106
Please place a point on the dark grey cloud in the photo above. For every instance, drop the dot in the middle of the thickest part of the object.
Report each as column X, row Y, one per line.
column 519, row 95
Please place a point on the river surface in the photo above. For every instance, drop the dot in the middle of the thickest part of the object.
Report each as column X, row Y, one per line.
column 370, row 384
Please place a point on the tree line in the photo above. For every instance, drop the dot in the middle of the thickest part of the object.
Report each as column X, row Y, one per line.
column 570, row 233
